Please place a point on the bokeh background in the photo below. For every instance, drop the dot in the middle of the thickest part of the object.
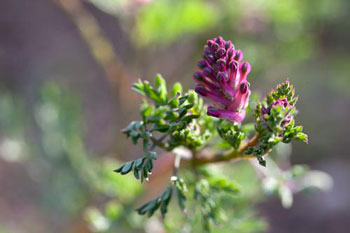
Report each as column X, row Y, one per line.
column 66, row 67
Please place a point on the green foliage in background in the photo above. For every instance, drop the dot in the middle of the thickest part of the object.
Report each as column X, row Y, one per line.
column 164, row 21
column 71, row 178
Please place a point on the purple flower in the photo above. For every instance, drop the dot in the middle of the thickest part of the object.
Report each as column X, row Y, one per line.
column 265, row 111
column 223, row 80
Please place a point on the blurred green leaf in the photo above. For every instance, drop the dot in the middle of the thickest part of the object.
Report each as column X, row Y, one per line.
column 164, row 21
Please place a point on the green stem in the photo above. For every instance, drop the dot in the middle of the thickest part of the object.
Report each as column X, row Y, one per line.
column 231, row 155
column 159, row 142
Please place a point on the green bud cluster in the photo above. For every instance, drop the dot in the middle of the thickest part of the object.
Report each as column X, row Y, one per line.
column 231, row 133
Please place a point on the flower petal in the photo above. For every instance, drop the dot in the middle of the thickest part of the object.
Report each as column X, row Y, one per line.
column 226, row 114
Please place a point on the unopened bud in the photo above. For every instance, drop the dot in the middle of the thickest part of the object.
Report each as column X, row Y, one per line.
column 228, row 45
column 221, row 76
column 202, row 64
column 201, row 90
column 211, row 111
column 230, row 53
column 221, row 63
column 219, row 40
column 220, row 53
column 198, row 76
column 232, row 65
column 245, row 68
column 207, row 71
column 215, row 46
column 238, row 56
column 244, row 87
column 210, row 58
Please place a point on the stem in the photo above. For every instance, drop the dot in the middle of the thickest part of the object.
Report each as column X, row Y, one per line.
column 177, row 164
column 235, row 154
column 159, row 142
column 194, row 164
column 152, row 147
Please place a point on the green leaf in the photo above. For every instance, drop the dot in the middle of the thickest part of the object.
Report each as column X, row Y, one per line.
column 223, row 184
column 146, row 111
column 171, row 115
column 154, row 208
column 160, row 201
column 136, row 174
column 262, row 162
column 302, row 137
column 166, row 197
column 152, row 155
column 135, row 136
column 148, row 166
column 139, row 87
column 151, row 93
column 161, row 88
column 189, row 118
column 146, row 207
column 183, row 110
column 181, row 189
column 119, row 169
column 182, row 99
column 174, row 126
column 160, row 128
column 126, row 168
column 177, row 89
column 138, row 163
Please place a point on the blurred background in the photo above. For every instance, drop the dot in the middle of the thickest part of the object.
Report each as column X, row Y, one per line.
column 66, row 67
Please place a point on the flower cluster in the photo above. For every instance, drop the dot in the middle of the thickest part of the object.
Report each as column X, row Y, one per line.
column 223, row 80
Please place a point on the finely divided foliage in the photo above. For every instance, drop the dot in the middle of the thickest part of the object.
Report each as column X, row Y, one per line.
column 175, row 120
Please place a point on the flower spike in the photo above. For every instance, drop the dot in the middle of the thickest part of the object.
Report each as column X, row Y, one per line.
column 223, row 80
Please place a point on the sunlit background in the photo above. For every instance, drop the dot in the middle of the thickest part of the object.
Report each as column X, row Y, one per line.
column 66, row 68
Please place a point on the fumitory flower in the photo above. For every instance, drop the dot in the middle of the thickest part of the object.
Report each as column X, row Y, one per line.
column 223, row 80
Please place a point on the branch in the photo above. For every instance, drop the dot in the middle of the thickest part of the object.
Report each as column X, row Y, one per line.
column 231, row 155
column 159, row 142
